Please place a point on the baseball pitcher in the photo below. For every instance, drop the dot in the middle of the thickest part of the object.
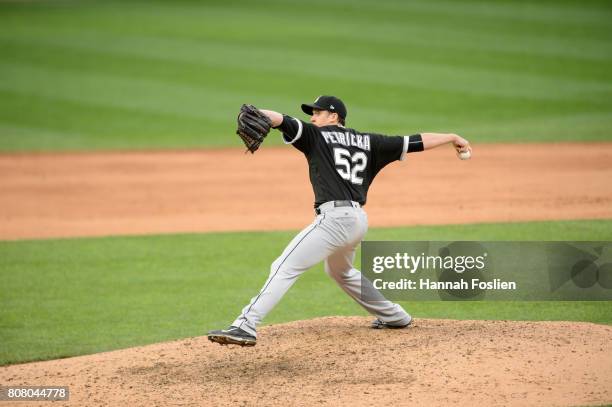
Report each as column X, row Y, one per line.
column 342, row 164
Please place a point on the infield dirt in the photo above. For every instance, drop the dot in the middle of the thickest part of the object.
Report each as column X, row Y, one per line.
column 97, row 194
column 340, row 361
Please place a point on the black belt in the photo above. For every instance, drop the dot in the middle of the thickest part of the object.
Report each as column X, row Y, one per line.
column 337, row 204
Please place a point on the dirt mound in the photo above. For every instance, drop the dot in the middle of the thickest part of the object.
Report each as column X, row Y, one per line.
column 97, row 194
column 340, row 361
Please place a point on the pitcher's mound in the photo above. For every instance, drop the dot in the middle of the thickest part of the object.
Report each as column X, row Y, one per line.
column 340, row 361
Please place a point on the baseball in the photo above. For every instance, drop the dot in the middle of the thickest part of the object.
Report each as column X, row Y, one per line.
column 464, row 155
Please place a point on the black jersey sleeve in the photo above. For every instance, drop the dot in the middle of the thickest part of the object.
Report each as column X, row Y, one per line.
column 298, row 133
column 386, row 149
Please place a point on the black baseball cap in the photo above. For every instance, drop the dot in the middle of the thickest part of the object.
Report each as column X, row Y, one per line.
column 329, row 103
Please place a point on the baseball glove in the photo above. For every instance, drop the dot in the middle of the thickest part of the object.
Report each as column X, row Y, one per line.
column 253, row 127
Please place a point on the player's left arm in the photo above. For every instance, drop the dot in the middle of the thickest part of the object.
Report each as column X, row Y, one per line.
column 275, row 117
column 294, row 131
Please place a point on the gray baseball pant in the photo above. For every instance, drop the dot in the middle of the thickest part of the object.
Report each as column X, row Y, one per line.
column 333, row 237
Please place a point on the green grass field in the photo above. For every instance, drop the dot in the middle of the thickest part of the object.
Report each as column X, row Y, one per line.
column 121, row 75
column 76, row 296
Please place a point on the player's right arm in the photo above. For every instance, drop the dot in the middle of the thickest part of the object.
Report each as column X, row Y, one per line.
column 433, row 140
column 390, row 148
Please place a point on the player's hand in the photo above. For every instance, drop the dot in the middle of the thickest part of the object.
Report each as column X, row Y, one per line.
column 461, row 144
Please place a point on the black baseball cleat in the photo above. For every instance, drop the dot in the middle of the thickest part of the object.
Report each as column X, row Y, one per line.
column 378, row 324
column 232, row 336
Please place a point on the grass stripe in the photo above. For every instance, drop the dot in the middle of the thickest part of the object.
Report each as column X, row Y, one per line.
column 107, row 90
column 212, row 23
column 554, row 13
column 554, row 18
column 80, row 126
column 188, row 72
column 556, row 67
column 195, row 102
column 547, row 128
column 412, row 75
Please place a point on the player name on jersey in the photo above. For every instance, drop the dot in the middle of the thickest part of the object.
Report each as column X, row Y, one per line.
column 347, row 138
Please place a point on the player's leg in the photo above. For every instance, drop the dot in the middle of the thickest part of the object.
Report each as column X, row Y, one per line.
column 309, row 247
column 339, row 266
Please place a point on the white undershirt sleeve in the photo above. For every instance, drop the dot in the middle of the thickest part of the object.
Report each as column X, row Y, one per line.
column 298, row 134
column 405, row 148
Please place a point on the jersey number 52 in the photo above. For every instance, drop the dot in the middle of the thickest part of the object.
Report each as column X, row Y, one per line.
column 350, row 166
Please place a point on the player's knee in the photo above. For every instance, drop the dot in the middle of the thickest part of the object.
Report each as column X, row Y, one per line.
column 339, row 273
column 334, row 269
